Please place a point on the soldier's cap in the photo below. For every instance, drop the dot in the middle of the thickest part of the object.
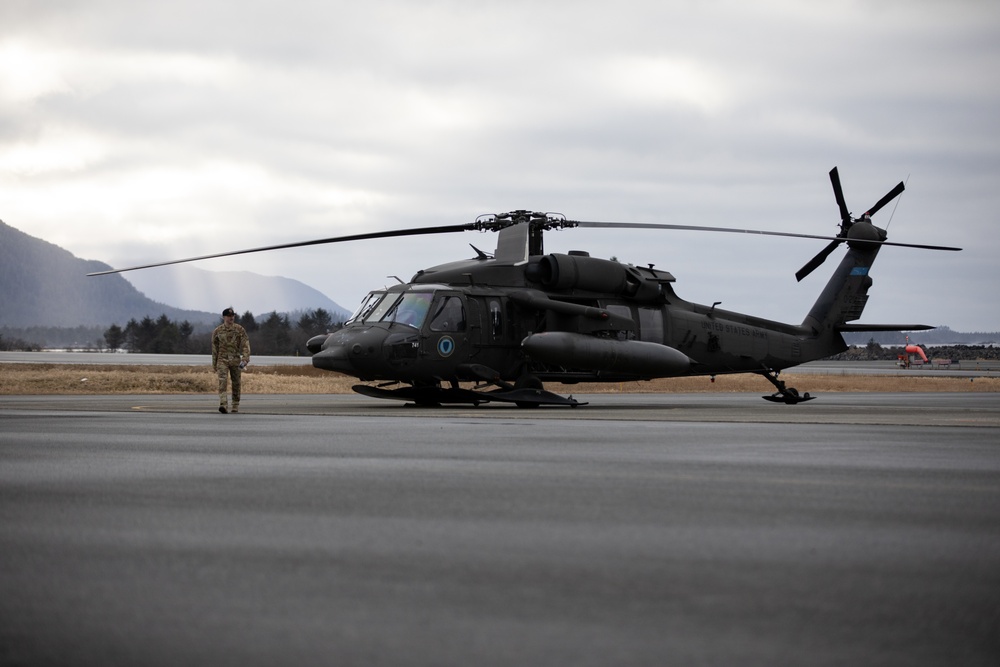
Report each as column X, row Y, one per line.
column 228, row 311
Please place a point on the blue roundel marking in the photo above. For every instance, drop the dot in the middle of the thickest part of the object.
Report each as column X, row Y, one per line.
column 446, row 346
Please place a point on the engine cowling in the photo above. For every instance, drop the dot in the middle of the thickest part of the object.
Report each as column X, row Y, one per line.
column 583, row 272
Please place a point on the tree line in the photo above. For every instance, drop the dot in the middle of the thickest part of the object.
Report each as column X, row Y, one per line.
column 874, row 351
column 272, row 335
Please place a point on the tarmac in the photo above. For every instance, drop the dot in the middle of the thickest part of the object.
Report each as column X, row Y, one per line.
column 641, row 529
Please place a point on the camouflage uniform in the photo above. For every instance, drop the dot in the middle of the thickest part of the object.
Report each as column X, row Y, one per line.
column 230, row 346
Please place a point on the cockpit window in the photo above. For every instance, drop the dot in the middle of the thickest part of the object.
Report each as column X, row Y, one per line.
column 366, row 307
column 376, row 313
column 410, row 310
column 449, row 315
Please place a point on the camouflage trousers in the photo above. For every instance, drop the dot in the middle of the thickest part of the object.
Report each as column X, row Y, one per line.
column 226, row 372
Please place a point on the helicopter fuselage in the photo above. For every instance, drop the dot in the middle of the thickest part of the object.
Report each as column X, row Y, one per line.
column 555, row 318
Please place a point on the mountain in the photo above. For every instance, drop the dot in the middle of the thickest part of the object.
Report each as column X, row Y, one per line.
column 42, row 284
column 190, row 287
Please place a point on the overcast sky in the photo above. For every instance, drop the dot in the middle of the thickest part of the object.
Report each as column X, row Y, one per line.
column 134, row 132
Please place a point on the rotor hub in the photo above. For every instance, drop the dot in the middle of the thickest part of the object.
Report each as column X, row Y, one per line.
column 493, row 222
column 863, row 233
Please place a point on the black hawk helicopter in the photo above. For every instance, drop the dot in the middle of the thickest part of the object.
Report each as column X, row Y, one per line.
column 519, row 318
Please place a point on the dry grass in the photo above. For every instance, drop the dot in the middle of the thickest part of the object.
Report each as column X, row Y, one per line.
column 35, row 379
column 43, row 379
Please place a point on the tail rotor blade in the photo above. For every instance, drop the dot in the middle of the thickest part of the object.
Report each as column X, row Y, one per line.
column 838, row 192
column 892, row 194
column 816, row 261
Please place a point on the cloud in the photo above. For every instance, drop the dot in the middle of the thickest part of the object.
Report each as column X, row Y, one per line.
column 134, row 132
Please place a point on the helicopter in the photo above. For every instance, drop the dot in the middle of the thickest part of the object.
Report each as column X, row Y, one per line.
column 511, row 321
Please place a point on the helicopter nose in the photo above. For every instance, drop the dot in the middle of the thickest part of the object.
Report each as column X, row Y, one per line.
column 332, row 358
column 315, row 344
column 351, row 351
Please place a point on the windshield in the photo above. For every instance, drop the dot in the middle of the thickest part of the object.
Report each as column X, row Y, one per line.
column 410, row 310
column 366, row 307
column 378, row 312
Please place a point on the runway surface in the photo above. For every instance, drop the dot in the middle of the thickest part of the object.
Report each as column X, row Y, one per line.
column 970, row 369
column 697, row 529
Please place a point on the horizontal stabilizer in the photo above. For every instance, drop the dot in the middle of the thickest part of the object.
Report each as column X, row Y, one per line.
column 849, row 328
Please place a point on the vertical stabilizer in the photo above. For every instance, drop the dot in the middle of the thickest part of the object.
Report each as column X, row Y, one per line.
column 845, row 295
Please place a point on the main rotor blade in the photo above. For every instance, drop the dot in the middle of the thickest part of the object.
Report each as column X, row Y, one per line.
column 692, row 228
column 732, row 230
column 821, row 256
column 838, row 192
column 420, row 231
column 889, row 196
column 816, row 261
column 908, row 245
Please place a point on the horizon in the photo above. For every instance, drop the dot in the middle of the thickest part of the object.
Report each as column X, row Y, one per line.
column 197, row 272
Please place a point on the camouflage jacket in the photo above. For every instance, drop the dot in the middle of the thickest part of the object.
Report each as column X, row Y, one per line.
column 230, row 344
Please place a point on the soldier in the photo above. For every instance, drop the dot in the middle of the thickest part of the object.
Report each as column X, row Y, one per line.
column 230, row 355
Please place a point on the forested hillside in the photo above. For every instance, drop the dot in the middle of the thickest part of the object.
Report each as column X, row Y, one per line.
column 43, row 285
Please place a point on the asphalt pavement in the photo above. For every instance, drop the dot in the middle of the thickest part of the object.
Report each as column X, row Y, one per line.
column 637, row 530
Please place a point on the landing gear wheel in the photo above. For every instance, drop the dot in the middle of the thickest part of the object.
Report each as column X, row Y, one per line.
column 427, row 395
column 530, row 382
column 786, row 395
